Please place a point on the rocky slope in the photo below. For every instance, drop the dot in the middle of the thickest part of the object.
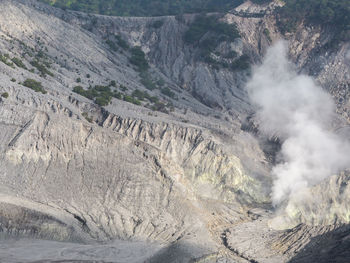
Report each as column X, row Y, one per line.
column 188, row 184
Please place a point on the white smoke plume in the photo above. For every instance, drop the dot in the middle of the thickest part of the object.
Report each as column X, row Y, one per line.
column 347, row 56
column 294, row 108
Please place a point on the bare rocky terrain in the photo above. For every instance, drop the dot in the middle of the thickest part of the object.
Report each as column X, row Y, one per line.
column 125, row 183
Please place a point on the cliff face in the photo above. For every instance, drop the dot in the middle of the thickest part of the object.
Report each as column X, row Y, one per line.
column 190, row 179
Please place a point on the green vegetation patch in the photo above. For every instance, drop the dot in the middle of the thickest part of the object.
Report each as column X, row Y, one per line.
column 242, row 63
column 334, row 13
column 138, row 58
column 41, row 68
column 101, row 95
column 267, row 34
column 321, row 12
column 19, row 63
column 116, row 41
column 113, row 46
column 207, row 32
column 113, row 83
column 121, row 42
column 160, row 106
column 259, row 2
column 145, row 7
column 147, row 81
column 142, row 95
column 34, row 85
column 167, row 92
column 131, row 99
column 4, row 59
column 5, row 95
column 158, row 24
column 204, row 24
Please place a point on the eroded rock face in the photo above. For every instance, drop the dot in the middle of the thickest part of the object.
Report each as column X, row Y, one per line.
column 190, row 180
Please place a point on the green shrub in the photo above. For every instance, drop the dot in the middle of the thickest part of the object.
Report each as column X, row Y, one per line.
column 160, row 82
column 112, row 45
column 142, row 95
column 118, row 95
column 261, row 1
column 78, row 80
column 241, row 63
column 145, row 7
column 79, row 89
column 138, row 59
column 147, row 81
column 206, row 33
column 103, row 100
column 13, row 80
column 231, row 54
column 267, row 34
column 4, row 59
column 196, row 30
column 204, row 24
column 41, row 68
column 102, row 89
column 334, row 13
column 5, row 95
column 121, row 42
column 159, row 106
column 167, row 92
column 153, row 99
column 101, row 95
column 34, row 85
column 40, row 55
column 130, row 99
column 139, row 94
column 18, row 63
column 158, row 24
column 123, row 88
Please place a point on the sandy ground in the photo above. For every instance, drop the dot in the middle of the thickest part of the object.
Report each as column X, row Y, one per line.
column 33, row 250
